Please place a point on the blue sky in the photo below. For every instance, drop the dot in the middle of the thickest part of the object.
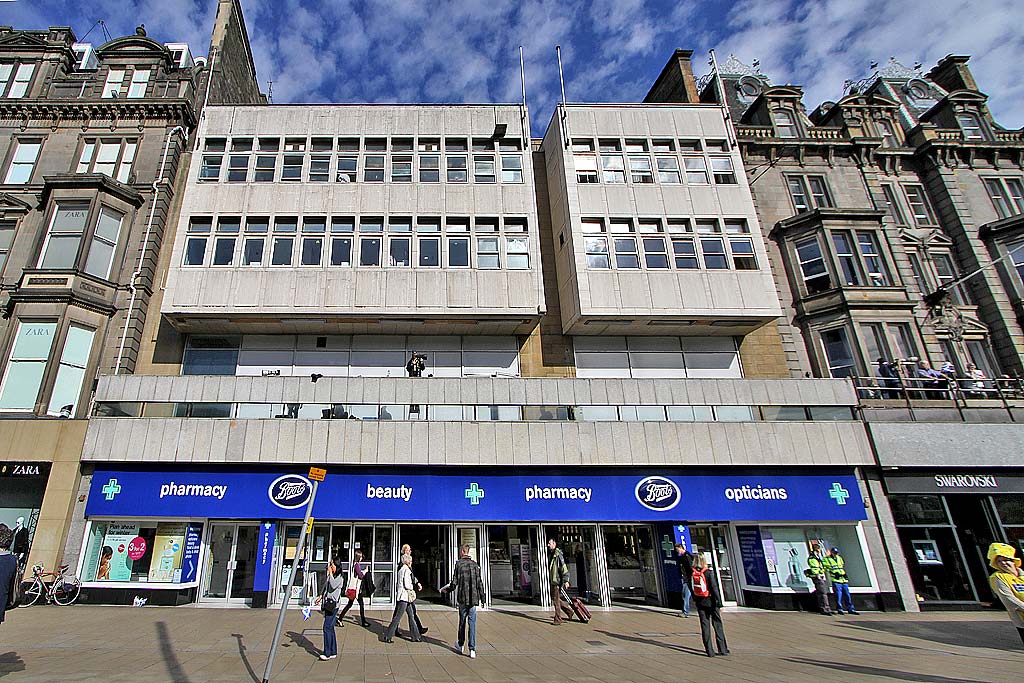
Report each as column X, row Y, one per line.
column 451, row 51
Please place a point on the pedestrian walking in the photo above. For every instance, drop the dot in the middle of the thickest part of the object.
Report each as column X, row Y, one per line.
column 469, row 592
column 405, row 599
column 684, row 560
column 1007, row 582
column 8, row 570
column 558, row 578
column 328, row 602
column 354, row 591
column 816, row 573
column 417, row 586
column 835, row 566
column 708, row 601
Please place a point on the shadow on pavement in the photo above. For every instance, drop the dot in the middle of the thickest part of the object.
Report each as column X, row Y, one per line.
column 890, row 674
column 245, row 659
column 303, row 642
column 525, row 615
column 995, row 635
column 167, row 652
column 658, row 643
column 10, row 662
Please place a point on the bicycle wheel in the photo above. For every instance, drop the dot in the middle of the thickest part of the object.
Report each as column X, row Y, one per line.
column 31, row 594
column 66, row 592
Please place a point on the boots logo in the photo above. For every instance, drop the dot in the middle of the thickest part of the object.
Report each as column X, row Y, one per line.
column 290, row 491
column 658, row 493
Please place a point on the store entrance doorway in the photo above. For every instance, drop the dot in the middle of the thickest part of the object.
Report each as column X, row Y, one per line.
column 431, row 558
column 513, row 564
column 230, row 563
column 633, row 564
column 712, row 540
column 975, row 525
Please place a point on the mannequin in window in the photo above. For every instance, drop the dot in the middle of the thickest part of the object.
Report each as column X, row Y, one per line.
column 20, row 545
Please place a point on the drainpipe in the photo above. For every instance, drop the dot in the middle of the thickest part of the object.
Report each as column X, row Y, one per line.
column 134, row 284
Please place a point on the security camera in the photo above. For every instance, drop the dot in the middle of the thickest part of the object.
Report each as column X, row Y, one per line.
column 314, row 377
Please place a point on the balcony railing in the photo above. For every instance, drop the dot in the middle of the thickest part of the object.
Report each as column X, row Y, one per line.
column 942, row 391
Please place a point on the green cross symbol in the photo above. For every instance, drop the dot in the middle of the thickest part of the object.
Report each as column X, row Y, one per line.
column 474, row 493
column 838, row 493
column 111, row 489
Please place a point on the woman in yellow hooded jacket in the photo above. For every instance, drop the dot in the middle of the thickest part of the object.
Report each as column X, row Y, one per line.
column 1008, row 582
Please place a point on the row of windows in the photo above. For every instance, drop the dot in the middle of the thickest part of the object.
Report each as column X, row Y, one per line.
column 477, row 413
column 623, row 248
column 858, row 255
column 609, row 161
column 970, row 126
column 110, row 156
column 76, row 232
column 258, row 160
column 1007, row 195
column 258, row 245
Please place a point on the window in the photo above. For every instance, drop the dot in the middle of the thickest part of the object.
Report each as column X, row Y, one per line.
column 457, row 171
column 889, row 138
column 112, row 158
column 626, row 256
column 23, row 162
column 713, row 249
column 517, row 253
column 655, row 255
column 685, row 253
column 348, row 144
column 238, row 169
column 341, row 251
column 1007, row 195
column 874, row 263
column 723, row 171
column 892, row 205
column 137, row 88
column 313, row 229
column 399, row 249
column 458, row 252
column 743, row 257
column 376, row 144
column 785, row 123
column 848, row 266
column 7, row 230
column 346, row 169
column 255, row 239
column 112, row 86
column 104, row 243
column 875, row 343
column 401, row 144
column 429, row 252
column 919, row 207
column 945, row 273
column 71, row 372
column 696, row 170
column 428, row 145
column 640, row 169
column 283, row 244
column 60, row 249
column 808, row 192
column 970, row 125
column 582, row 145
column 401, row 169
column 1016, row 252
column 373, row 169
column 668, row 170
column 819, row 191
column 197, row 235
column 812, row 266
column 483, row 169
column 369, row 251
column 291, row 168
column 430, row 168
column 586, row 169
column 26, row 366
column 838, row 353
column 210, row 169
column 904, row 340
column 22, row 78
column 918, row 271
column 663, row 145
column 595, row 244
column 487, row 253
column 511, row 169
column 612, row 169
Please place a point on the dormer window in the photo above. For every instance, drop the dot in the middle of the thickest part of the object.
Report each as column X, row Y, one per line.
column 888, row 131
column 785, row 123
column 970, row 125
column 16, row 87
column 85, row 57
column 140, row 78
column 113, row 86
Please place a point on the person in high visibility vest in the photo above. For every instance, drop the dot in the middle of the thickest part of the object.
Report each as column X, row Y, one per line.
column 836, row 568
column 816, row 573
column 1007, row 582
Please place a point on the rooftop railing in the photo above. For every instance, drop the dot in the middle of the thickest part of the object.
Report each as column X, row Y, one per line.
column 940, row 391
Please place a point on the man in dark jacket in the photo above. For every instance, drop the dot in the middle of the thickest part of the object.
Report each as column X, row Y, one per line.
column 469, row 592
column 684, row 560
column 8, row 568
column 558, row 577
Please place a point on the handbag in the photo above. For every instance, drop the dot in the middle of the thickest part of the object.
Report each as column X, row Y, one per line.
column 328, row 605
column 368, row 587
column 410, row 595
column 353, row 588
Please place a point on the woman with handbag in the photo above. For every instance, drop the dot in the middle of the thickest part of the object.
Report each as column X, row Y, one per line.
column 406, row 598
column 328, row 602
column 354, row 591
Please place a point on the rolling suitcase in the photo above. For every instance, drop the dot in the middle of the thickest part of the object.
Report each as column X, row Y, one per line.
column 578, row 608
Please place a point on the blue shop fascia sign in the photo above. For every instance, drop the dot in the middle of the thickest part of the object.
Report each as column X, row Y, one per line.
column 454, row 494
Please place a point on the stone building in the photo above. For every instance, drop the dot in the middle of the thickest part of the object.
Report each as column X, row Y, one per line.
column 95, row 140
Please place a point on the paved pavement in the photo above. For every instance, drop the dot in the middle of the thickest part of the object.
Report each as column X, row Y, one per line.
column 190, row 645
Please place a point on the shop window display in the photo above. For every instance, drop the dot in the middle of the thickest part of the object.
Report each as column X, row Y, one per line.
column 787, row 549
column 138, row 552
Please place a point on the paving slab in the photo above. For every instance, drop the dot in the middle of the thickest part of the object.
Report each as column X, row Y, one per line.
column 191, row 645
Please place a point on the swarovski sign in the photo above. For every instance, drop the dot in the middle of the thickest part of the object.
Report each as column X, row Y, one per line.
column 966, row 481
column 955, row 482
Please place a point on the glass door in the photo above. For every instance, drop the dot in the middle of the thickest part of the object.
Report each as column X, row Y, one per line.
column 243, row 566
column 512, row 565
column 648, row 564
column 230, row 563
column 218, row 561
column 712, row 541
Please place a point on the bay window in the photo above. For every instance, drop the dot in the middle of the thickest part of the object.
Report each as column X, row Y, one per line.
column 23, row 375
column 71, row 372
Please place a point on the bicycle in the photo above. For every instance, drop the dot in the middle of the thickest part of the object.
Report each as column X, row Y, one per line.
column 62, row 589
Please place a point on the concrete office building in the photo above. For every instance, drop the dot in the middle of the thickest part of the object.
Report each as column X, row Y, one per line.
column 597, row 314
column 903, row 186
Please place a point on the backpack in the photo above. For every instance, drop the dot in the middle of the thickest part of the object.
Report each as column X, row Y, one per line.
column 700, row 584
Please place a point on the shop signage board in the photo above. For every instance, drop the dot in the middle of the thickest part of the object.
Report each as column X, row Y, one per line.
column 755, row 566
column 574, row 495
column 955, row 481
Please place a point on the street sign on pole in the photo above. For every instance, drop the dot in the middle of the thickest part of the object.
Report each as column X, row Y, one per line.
column 317, row 473
column 298, row 563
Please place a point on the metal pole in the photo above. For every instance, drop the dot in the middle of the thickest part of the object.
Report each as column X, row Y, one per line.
column 291, row 582
column 720, row 87
column 563, row 115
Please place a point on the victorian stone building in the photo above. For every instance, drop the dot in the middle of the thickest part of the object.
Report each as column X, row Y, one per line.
column 872, row 204
column 93, row 142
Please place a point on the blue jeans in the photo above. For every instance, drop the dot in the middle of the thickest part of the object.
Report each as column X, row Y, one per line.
column 467, row 613
column 843, row 598
column 686, row 598
column 330, row 639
